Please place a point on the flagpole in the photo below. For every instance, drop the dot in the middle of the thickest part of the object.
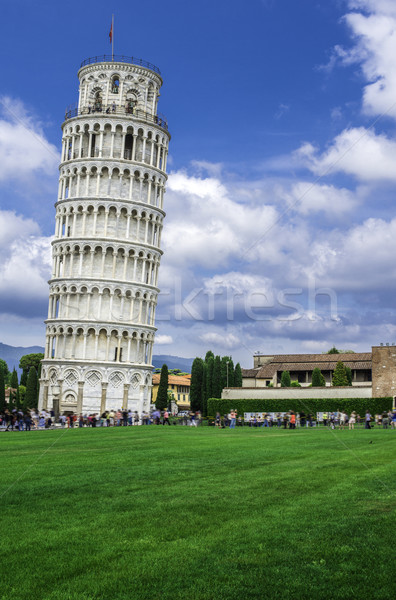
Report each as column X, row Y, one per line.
column 112, row 38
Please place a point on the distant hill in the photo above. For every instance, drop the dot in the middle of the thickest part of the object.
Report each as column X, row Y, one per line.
column 12, row 356
column 173, row 362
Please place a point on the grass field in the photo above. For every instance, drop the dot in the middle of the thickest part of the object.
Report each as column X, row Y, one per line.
column 197, row 513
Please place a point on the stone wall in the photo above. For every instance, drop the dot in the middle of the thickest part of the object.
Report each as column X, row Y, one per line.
column 297, row 393
column 384, row 370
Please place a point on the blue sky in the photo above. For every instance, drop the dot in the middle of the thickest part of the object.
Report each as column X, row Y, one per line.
column 280, row 233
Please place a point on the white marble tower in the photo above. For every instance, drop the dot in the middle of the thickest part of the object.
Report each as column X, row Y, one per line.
column 106, row 249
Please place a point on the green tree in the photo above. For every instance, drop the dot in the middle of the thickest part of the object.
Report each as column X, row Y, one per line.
column 339, row 376
column 348, row 373
column 161, row 401
column 31, row 398
column 204, row 388
column 27, row 361
column 318, row 379
column 197, row 371
column 13, row 388
column 216, row 386
column 209, row 376
column 295, row 384
column 333, row 350
column 3, row 403
column 285, row 379
column 209, row 355
column 6, row 371
column 22, row 395
column 238, row 376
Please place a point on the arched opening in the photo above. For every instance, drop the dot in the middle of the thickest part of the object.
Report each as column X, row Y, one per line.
column 128, row 147
column 115, row 84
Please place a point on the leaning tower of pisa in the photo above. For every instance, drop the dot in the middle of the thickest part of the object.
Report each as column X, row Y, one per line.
column 106, row 249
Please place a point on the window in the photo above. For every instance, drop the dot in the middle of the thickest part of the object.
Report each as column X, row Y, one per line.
column 115, row 84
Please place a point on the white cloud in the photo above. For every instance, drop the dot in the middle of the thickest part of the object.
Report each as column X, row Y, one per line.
column 163, row 340
column 358, row 152
column 24, row 149
column 308, row 198
column 25, row 265
column 206, row 221
column 221, row 340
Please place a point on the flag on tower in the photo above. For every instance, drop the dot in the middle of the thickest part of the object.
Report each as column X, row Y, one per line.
column 111, row 32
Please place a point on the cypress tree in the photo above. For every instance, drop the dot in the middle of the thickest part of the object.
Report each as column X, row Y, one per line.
column 285, row 379
column 161, row 401
column 348, row 373
column 238, row 376
column 13, row 387
column 209, row 377
column 208, row 355
column 231, row 373
column 223, row 371
column 31, row 399
column 216, row 388
column 339, row 375
column 196, row 384
column 204, row 389
column 3, row 404
column 318, row 379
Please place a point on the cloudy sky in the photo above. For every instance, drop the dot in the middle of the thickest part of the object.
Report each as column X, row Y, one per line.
column 280, row 233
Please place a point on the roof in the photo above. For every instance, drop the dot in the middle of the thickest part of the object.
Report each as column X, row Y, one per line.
column 173, row 379
column 308, row 362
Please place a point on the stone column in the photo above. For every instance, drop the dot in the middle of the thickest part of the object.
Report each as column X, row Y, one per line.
column 125, row 397
column 45, row 395
column 80, row 396
column 103, row 397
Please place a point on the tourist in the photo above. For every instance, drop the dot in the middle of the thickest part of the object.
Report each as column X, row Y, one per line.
column 292, row 422
column 367, row 420
column 166, row 417
column 28, row 421
column 352, row 420
column 394, row 419
column 385, row 420
column 233, row 415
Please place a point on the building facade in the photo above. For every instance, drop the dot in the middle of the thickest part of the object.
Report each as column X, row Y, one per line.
column 106, row 250
column 373, row 376
column 267, row 370
column 178, row 386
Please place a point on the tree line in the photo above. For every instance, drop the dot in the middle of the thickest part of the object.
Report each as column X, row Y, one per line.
column 208, row 378
column 23, row 393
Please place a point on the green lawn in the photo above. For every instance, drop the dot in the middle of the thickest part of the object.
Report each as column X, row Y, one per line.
column 197, row 513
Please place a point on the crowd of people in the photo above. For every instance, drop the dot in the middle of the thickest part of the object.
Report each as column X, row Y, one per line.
column 291, row 420
column 19, row 420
